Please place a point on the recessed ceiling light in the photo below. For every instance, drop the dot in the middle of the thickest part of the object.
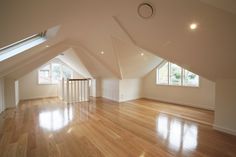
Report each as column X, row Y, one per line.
column 142, row 54
column 145, row 10
column 47, row 45
column 193, row 26
column 102, row 52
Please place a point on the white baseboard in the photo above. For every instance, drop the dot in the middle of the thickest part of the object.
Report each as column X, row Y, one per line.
column 181, row 103
column 225, row 130
column 112, row 99
column 38, row 98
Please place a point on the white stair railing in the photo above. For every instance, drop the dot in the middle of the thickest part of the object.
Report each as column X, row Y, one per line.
column 75, row 90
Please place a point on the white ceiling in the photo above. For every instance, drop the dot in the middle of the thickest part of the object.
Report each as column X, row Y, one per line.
column 227, row 5
column 113, row 26
column 71, row 59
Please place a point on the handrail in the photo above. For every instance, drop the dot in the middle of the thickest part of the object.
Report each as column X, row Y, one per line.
column 79, row 79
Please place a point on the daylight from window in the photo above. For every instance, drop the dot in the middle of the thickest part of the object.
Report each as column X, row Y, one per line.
column 21, row 46
column 53, row 73
column 172, row 74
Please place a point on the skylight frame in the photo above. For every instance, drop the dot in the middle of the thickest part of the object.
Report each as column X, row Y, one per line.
column 22, row 45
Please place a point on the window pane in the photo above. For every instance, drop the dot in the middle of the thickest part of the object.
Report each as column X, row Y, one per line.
column 190, row 79
column 20, row 46
column 44, row 74
column 175, row 74
column 163, row 74
column 67, row 72
column 56, row 73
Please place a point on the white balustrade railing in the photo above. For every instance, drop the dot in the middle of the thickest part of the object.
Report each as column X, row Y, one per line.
column 75, row 90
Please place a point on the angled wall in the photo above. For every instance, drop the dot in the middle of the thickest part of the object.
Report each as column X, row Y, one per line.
column 121, row 90
column 110, row 89
column 201, row 97
column 225, row 111
column 130, row 89
column 9, row 93
column 2, row 101
column 30, row 89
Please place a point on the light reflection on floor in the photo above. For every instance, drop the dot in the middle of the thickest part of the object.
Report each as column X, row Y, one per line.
column 55, row 119
column 178, row 134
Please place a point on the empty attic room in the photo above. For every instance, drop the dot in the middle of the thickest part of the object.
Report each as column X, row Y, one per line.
column 118, row 78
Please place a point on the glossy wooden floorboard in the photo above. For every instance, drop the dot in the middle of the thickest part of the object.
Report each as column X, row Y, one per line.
column 140, row 128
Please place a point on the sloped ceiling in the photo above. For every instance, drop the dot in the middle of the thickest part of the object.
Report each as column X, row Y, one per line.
column 17, row 70
column 208, row 51
column 71, row 59
column 227, row 5
column 93, row 25
column 132, row 63
column 96, row 68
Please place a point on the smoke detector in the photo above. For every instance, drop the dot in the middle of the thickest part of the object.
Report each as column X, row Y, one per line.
column 145, row 10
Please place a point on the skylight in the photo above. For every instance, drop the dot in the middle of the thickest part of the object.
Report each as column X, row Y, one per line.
column 21, row 46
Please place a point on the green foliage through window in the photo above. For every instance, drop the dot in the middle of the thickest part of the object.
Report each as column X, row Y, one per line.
column 172, row 74
column 53, row 73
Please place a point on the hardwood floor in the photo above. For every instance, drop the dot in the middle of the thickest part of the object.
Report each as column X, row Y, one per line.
column 139, row 128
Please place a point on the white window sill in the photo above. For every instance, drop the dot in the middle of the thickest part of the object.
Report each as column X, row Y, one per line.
column 168, row 85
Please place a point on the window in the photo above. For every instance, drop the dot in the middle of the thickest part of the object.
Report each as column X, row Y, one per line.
column 53, row 73
column 21, row 46
column 67, row 72
column 175, row 74
column 172, row 74
column 190, row 79
column 56, row 73
column 44, row 75
column 163, row 74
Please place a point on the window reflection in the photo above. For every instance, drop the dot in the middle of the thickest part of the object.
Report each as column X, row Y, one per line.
column 190, row 136
column 56, row 119
column 179, row 135
column 175, row 134
column 163, row 126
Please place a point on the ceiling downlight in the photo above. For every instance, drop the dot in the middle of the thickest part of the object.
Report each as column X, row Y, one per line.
column 145, row 10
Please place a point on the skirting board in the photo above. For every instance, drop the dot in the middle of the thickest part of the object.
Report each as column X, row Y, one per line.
column 121, row 101
column 225, row 130
column 178, row 103
column 39, row 98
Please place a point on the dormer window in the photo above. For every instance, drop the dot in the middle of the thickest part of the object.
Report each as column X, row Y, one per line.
column 53, row 72
column 22, row 45
column 171, row 74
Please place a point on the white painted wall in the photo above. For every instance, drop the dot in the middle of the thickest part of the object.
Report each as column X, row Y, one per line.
column 17, row 98
column 110, row 89
column 121, row 90
column 2, row 102
column 129, row 89
column 9, row 93
column 225, row 111
column 95, row 90
column 201, row 97
column 30, row 89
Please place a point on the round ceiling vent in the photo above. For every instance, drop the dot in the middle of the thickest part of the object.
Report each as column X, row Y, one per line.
column 145, row 10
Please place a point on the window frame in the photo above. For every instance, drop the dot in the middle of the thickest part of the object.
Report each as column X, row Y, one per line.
column 160, row 66
column 50, row 72
column 184, row 85
column 181, row 79
column 20, row 46
column 169, row 75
